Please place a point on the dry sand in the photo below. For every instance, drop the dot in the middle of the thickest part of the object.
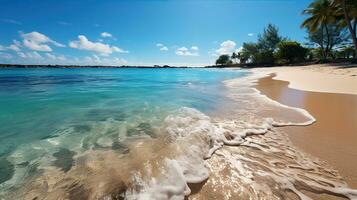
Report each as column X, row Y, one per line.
column 329, row 93
column 340, row 79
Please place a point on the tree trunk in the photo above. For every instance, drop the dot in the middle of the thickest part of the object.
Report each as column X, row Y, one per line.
column 326, row 49
column 350, row 28
column 322, row 45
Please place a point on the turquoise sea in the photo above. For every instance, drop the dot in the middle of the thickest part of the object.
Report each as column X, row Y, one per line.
column 48, row 115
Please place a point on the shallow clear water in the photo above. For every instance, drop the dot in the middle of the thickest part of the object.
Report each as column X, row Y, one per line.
column 43, row 111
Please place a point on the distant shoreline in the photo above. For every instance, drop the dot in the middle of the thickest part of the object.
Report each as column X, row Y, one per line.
column 235, row 66
column 84, row 66
column 2, row 66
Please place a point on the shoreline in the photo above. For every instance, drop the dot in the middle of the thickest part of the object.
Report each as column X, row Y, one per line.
column 244, row 153
column 333, row 137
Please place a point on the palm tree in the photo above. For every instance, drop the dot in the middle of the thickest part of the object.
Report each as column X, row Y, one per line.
column 234, row 56
column 321, row 14
column 347, row 9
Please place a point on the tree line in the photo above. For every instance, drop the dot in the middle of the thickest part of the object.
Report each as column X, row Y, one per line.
column 331, row 27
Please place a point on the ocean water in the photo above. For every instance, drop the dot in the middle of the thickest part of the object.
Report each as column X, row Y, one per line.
column 37, row 106
column 151, row 134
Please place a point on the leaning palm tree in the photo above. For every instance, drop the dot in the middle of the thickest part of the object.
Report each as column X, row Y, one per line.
column 321, row 14
column 347, row 10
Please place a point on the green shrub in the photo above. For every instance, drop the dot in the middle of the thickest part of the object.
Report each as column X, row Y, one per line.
column 290, row 52
column 223, row 60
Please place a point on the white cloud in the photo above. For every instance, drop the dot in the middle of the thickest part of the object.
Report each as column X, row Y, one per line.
column 11, row 21
column 50, row 56
column 104, row 49
column 22, row 55
column 38, row 41
column 96, row 60
column 183, row 51
column 118, row 61
column 61, row 57
column 14, row 47
column 31, row 55
column 106, row 35
column 194, row 48
column 250, row 34
column 54, row 57
column 64, row 23
column 35, row 55
column 240, row 49
column 226, row 47
column 5, row 55
column 43, row 58
column 16, row 42
column 162, row 47
column 117, row 49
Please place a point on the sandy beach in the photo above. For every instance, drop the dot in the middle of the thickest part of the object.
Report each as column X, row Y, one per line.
column 329, row 94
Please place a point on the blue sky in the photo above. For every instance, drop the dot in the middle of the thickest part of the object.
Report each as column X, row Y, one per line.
column 138, row 32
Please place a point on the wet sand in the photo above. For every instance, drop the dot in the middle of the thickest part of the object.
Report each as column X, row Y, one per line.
column 333, row 137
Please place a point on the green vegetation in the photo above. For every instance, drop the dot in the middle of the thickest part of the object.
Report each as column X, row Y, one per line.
column 223, row 60
column 262, row 52
column 290, row 52
column 328, row 39
column 331, row 24
column 331, row 33
column 346, row 15
column 268, row 50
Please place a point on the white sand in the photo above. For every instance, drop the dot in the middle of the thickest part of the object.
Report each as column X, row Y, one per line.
column 318, row 78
